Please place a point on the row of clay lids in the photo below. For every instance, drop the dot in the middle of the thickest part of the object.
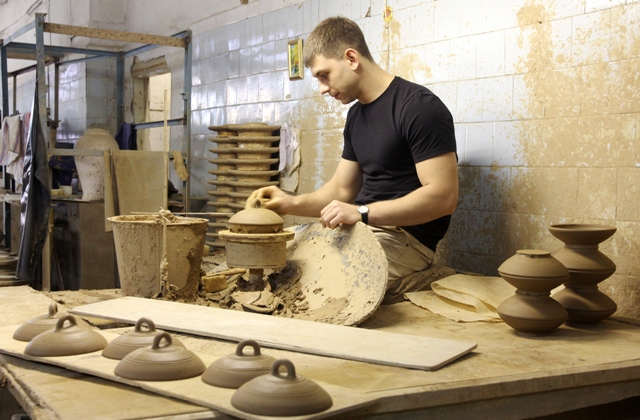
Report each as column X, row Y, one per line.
column 148, row 354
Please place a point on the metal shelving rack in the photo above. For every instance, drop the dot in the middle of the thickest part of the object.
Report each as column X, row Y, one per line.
column 39, row 52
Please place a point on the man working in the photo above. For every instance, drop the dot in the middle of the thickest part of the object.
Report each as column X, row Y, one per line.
column 398, row 172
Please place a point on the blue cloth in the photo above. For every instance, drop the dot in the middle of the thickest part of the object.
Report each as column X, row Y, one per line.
column 127, row 137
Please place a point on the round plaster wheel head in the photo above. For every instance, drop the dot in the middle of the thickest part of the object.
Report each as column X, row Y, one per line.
column 344, row 272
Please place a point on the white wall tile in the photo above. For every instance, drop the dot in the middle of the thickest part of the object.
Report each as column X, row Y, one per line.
column 507, row 149
column 490, row 54
column 462, row 53
column 517, row 47
column 438, row 59
column 525, row 102
column 234, row 63
column 590, row 38
column 558, row 9
column 245, row 61
column 416, row 25
column 479, row 148
column 447, row 92
column 595, row 5
column 445, row 19
column 497, row 98
column 473, row 17
column 268, row 56
column 469, row 101
column 461, row 142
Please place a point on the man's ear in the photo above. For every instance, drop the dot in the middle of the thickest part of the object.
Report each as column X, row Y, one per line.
column 352, row 57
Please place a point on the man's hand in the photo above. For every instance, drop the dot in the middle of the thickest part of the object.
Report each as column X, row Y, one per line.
column 273, row 198
column 337, row 213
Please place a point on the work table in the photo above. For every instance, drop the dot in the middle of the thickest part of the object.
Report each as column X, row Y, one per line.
column 507, row 376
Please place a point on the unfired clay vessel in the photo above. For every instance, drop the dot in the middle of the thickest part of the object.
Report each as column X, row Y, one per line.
column 278, row 394
column 531, row 311
column 256, row 240
column 41, row 323
column 68, row 338
column 168, row 362
column 142, row 335
column 91, row 168
column 587, row 267
column 234, row 370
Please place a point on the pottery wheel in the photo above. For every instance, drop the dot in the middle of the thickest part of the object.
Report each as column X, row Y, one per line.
column 343, row 273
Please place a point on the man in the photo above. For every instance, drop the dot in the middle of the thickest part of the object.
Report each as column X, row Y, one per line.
column 398, row 172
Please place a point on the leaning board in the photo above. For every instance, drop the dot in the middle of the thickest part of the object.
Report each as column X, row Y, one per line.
column 302, row 336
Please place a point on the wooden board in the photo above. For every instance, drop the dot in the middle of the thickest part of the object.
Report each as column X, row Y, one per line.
column 140, row 181
column 385, row 348
column 193, row 389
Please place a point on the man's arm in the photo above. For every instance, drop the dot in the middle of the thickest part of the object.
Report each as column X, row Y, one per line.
column 343, row 186
column 437, row 197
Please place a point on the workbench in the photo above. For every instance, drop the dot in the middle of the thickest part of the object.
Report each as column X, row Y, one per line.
column 506, row 377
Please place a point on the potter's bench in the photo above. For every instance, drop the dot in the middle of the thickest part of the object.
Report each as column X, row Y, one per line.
column 507, row 376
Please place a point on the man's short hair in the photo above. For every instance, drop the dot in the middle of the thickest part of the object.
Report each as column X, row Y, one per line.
column 332, row 37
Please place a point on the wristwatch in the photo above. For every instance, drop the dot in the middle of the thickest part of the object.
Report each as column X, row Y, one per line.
column 364, row 212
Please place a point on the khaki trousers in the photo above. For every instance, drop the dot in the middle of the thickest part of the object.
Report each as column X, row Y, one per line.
column 405, row 256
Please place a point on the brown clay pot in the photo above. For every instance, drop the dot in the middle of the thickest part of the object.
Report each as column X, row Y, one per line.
column 140, row 337
column 278, row 394
column 66, row 340
column 234, row 370
column 587, row 267
column 531, row 311
column 160, row 363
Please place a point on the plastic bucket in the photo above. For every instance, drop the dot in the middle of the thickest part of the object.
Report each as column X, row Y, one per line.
column 138, row 242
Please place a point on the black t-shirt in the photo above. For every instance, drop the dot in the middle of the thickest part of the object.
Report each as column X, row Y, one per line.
column 405, row 125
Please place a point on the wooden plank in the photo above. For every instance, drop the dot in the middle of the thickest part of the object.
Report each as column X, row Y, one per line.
column 50, row 392
column 169, row 41
column 193, row 390
column 139, row 177
column 302, row 336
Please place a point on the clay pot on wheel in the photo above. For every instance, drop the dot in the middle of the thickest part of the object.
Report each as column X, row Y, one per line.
column 91, row 168
column 531, row 311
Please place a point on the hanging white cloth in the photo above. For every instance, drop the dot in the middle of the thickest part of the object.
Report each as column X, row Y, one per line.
column 289, row 158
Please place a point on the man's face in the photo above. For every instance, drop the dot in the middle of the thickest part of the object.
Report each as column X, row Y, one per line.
column 335, row 77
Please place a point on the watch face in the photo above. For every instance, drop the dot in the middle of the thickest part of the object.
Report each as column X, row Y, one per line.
column 363, row 209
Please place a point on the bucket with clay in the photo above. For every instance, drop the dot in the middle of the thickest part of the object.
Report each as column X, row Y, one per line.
column 139, row 242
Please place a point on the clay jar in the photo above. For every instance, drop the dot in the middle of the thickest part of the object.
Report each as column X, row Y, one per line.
column 91, row 168
column 531, row 311
column 587, row 267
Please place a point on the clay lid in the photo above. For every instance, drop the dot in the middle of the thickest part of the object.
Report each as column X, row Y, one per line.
column 233, row 370
column 140, row 337
column 533, row 263
column 160, row 363
column 255, row 219
column 582, row 234
column 66, row 340
column 276, row 394
column 41, row 323
column 37, row 325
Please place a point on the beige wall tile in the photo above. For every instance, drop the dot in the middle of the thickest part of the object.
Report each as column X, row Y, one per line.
column 544, row 191
column 628, row 194
column 597, row 193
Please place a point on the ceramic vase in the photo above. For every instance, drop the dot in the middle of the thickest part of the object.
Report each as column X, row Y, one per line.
column 91, row 168
column 532, row 311
column 587, row 267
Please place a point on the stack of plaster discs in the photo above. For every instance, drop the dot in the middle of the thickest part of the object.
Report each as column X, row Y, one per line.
column 245, row 157
column 8, row 263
